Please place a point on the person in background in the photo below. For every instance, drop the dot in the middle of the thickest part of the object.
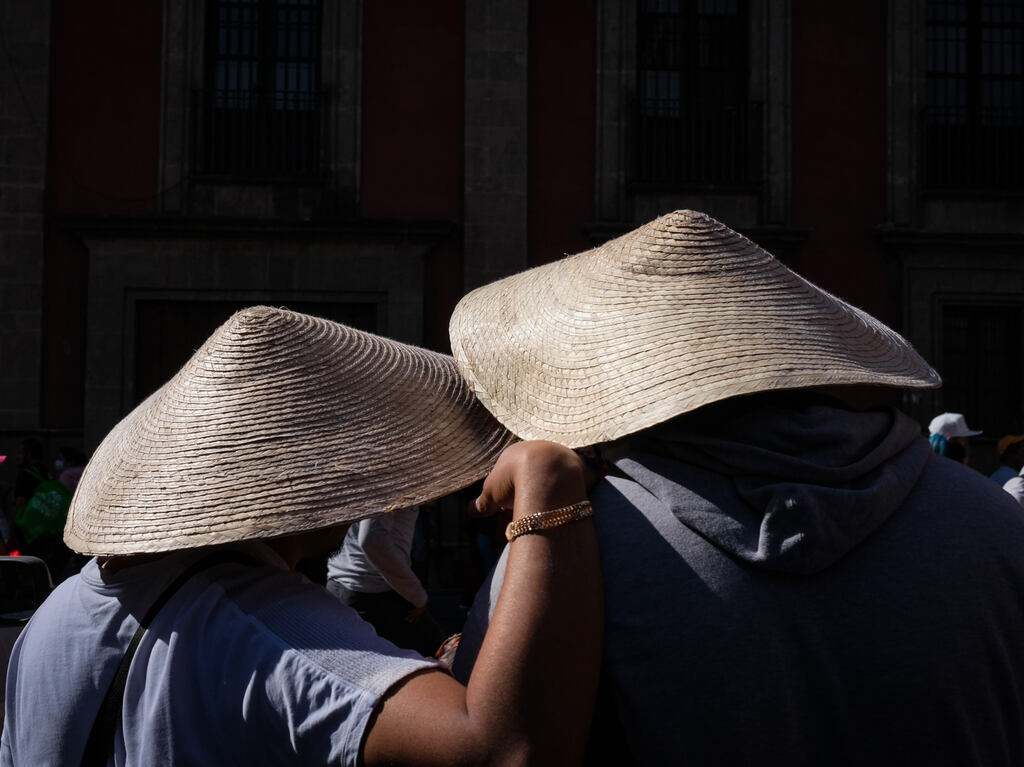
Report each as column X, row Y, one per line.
column 70, row 464
column 31, row 471
column 372, row 573
column 1015, row 487
column 6, row 524
column 789, row 579
column 1011, row 458
column 40, row 504
column 949, row 435
column 190, row 639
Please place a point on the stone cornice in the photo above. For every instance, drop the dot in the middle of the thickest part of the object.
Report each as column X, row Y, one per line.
column 191, row 226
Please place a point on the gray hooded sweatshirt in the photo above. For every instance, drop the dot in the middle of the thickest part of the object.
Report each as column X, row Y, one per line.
column 789, row 582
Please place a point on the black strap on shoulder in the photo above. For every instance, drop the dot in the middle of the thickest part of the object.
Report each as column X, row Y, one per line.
column 100, row 745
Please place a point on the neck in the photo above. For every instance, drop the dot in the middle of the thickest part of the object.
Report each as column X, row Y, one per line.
column 313, row 543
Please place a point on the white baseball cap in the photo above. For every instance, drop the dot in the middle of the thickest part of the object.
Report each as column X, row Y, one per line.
column 951, row 425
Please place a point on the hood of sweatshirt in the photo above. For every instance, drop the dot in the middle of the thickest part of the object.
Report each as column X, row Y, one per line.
column 788, row 483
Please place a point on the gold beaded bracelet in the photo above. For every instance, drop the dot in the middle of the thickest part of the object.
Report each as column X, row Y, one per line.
column 544, row 520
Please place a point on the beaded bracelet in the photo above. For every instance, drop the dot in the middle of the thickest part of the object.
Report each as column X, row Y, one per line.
column 544, row 520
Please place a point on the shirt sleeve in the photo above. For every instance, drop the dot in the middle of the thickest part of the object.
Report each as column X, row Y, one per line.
column 1015, row 487
column 391, row 562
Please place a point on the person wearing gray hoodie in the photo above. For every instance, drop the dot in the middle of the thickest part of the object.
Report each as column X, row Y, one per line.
column 788, row 579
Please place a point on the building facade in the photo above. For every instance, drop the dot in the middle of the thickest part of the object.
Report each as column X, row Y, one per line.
column 164, row 163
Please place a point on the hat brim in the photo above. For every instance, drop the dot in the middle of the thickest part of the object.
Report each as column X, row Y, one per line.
column 1008, row 441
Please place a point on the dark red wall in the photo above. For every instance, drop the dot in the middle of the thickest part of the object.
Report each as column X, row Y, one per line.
column 412, row 133
column 102, row 158
column 104, row 145
column 105, row 106
column 561, row 115
column 839, row 118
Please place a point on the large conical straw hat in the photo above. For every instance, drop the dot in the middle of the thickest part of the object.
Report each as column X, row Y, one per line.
column 279, row 424
column 674, row 315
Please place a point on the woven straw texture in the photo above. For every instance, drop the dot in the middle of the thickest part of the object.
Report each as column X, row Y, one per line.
column 282, row 423
column 674, row 315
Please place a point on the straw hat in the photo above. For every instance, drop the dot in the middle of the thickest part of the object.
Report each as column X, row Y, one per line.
column 677, row 314
column 1004, row 443
column 281, row 423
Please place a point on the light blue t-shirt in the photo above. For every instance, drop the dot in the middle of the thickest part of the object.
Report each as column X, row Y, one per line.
column 244, row 665
column 1003, row 474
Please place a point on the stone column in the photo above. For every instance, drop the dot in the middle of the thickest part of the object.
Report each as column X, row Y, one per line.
column 495, row 140
column 24, row 89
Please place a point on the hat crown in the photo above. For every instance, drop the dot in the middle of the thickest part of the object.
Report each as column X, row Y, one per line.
column 262, row 346
column 683, row 243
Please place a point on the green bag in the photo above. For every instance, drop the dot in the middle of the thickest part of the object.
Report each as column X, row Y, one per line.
column 46, row 511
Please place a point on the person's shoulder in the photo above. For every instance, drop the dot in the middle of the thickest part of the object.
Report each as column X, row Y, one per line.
column 1002, row 474
column 1014, row 487
column 267, row 588
column 281, row 619
column 301, row 611
column 959, row 489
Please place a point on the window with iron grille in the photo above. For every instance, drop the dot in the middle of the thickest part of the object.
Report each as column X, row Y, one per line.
column 260, row 112
column 695, row 124
column 974, row 115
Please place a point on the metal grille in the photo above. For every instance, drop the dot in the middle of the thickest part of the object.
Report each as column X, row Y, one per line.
column 261, row 112
column 973, row 122
column 694, row 122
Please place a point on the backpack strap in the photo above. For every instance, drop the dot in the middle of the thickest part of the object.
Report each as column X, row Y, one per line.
column 100, row 746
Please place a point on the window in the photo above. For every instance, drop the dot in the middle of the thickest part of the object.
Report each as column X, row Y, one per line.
column 974, row 114
column 695, row 123
column 168, row 331
column 260, row 112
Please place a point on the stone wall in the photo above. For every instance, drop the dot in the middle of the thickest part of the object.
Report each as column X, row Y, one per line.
column 279, row 267
column 24, row 77
column 496, row 131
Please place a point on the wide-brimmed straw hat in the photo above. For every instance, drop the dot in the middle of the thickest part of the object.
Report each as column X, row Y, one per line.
column 674, row 315
column 282, row 423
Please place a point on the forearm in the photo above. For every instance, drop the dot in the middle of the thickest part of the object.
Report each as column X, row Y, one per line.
column 530, row 696
column 535, row 678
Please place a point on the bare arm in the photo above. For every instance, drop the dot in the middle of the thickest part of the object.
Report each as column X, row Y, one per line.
column 530, row 697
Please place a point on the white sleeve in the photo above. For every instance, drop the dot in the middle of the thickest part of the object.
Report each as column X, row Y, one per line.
column 391, row 562
column 1015, row 487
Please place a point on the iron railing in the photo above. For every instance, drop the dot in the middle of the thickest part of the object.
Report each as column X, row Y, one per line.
column 964, row 153
column 700, row 145
column 253, row 133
